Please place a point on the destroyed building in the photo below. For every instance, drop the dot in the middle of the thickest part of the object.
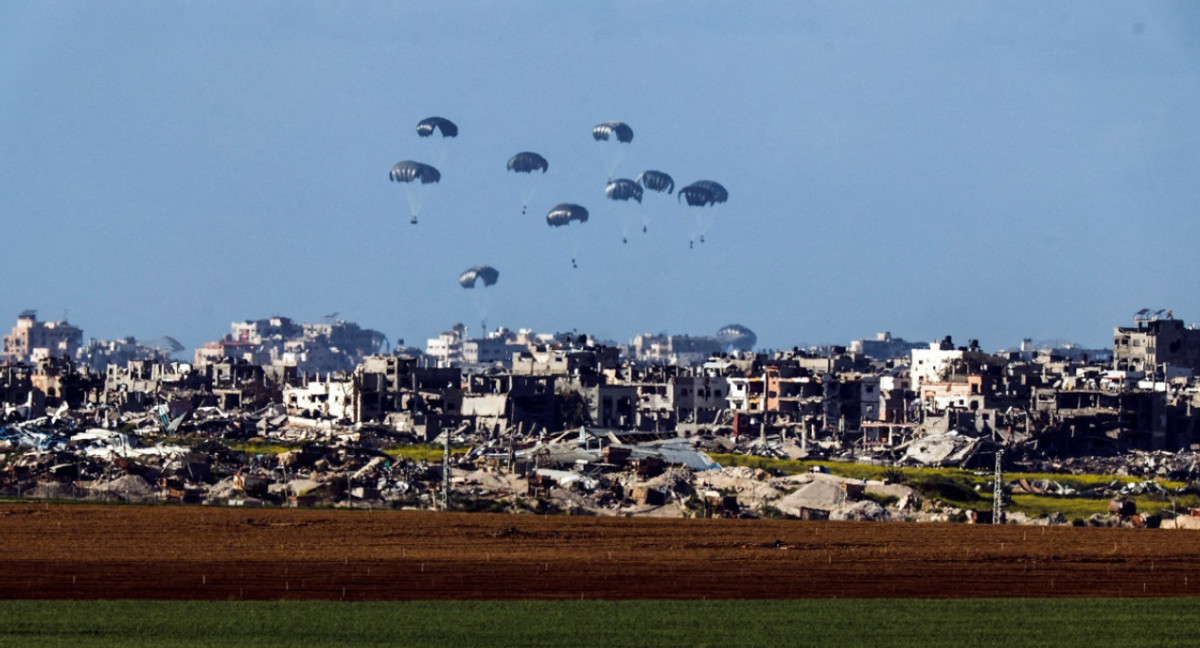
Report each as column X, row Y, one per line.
column 401, row 391
column 1096, row 421
column 142, row 384
column 1154, row 342
column 312, row 348
column 494, row 403
column 100, row 354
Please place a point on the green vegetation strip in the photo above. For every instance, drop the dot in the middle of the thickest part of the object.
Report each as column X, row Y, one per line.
column 1128, row 623
column 428, row 452
column 973, row 489
column 413, row 452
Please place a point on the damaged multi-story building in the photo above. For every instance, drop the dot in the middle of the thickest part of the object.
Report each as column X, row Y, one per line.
column 1155, row 345
column 1146, row 400
column 31, row 339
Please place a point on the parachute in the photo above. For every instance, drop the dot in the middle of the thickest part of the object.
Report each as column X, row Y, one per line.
column 737, row 337
column 564, row 213
column 440, row 147
column 166, row 344
column 696, row 196
column 485, row 273
column 470, row 278
column 414, row 174
column 527, row 162
column 408, row 171
column 623, row 189
column 427, row 126
column 619, row 130
column 611, row 155
column 656, row 181
column 719, row 195
column 700, row 194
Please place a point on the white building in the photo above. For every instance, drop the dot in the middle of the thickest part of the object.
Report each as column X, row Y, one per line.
column 495, row 349
column 447, row 349
column 929, row 365
column 678, row 350
column 329, row 399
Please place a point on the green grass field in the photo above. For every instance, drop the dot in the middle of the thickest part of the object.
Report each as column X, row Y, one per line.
column 1095, row 623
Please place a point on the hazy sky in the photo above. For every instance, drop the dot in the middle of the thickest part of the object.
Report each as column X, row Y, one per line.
column 989, row 170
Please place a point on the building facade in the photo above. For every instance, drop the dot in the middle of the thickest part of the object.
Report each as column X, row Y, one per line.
column 1153, row 343
column 31, row 339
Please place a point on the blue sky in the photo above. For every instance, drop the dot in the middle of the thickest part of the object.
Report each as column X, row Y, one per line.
column 989, row 170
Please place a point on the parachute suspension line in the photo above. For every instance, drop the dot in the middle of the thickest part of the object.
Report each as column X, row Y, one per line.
column 608, row 169
column 441, row 151
column 626, row 222
column 414, row 205
column 617, row 156
column 610, row 158
column 529, row 194
column 705, row 222
column 574, row 251
column 416, row 200
column 527, row 198
column 482, row 300
column 524, row 193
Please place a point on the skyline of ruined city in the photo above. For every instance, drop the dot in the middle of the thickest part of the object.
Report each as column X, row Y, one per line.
column 462, row 332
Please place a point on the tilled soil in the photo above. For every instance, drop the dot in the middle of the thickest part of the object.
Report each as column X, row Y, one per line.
column 171, row 552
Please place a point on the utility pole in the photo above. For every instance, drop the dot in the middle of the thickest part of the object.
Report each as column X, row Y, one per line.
column 446, row 472
column 998, row 490
column 512, row 452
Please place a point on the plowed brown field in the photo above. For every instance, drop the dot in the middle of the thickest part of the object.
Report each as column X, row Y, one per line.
column 147, row 552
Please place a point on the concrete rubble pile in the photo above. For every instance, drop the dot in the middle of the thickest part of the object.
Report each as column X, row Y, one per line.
column 1176, row 466
column 583, row 472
